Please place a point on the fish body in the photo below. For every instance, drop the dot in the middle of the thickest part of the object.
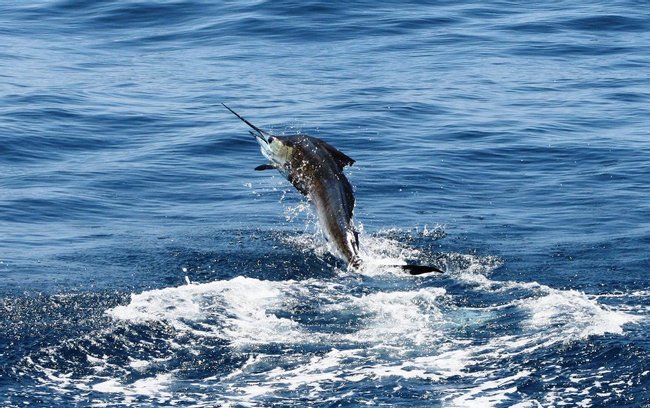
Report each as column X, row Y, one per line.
column 315, row 168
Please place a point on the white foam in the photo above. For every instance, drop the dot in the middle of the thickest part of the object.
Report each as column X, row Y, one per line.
column 399, row 333
column 139, row 364
column 572, row 315
column 437, row 231
column 307, row 242
column 490, row 393
column 239, row 310
column 376, row 251
column 394, row 329
column 309, row 373
column 473, row 269
column 398, row 318
column 155, row 387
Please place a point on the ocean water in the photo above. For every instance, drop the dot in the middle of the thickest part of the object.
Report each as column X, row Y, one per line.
column 144, row 263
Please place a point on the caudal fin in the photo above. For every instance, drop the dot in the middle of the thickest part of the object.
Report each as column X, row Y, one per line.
column 418, row 269
column 410, row 269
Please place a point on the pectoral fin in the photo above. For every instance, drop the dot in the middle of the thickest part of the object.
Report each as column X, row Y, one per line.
column 267, row 166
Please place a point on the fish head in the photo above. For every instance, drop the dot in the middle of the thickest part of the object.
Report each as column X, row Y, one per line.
column 279, row 150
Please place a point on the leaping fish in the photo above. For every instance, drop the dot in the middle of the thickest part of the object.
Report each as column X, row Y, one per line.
column 315, row 168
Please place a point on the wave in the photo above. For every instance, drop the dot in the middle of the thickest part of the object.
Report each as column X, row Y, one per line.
column 303, row 341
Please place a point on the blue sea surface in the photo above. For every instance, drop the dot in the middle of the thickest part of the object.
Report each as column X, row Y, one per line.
column 143, row 262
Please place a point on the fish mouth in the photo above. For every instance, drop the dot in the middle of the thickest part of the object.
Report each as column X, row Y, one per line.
column 265, row 147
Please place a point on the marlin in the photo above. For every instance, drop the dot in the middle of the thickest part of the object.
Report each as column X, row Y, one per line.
column 315, row 168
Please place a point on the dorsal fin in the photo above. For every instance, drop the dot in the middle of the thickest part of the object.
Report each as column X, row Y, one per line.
column 341, row 158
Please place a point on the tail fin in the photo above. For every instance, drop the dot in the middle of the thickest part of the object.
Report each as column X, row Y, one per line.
column 356, row 263
column 418, row 269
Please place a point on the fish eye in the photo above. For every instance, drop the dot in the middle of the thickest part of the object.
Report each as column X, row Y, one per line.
column 270, row 139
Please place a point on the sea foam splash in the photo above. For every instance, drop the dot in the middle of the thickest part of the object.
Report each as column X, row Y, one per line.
column 310, row 339
column 239, row 310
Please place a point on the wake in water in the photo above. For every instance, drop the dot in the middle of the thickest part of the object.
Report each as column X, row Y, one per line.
column 379, row 337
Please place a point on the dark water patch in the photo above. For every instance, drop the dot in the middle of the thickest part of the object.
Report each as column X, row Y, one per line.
column 555, row 50
column 147, row 14
column 278, row 261
column 115, row 14
column 52, row 147
column 588, row 356
column 36, row 321
column 39, row 99
column 315, row 22
column 630, row 63
column 633, row 97
column 51, row 207
column 69, row 133
column 427, row 23
column 489, row 12
column 608, row 23
column 298, row 9
column 603, row 23
column 396, row 114
column 533, row 27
